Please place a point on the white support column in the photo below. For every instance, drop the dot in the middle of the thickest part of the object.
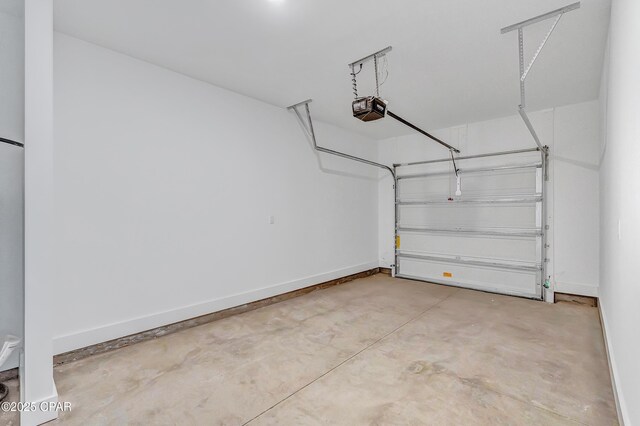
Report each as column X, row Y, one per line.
column 37, row 384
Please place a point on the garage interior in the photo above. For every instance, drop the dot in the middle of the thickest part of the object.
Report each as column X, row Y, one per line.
column 319, row 212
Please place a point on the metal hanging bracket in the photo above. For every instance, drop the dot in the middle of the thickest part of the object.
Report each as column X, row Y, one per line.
column 308, row 127
column 378, row 54
column 540, row 18
column 524, row 72
column 375, row 57
column 360, row 62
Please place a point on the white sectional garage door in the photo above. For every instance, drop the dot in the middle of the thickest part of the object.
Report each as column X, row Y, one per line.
column 488, row 238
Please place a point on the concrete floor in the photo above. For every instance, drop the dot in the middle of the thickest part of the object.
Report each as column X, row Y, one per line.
column 374, row 351
column 11, row 418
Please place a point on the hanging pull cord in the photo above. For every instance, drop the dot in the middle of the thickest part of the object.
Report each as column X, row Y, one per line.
column 354, row 83
column 455, row 169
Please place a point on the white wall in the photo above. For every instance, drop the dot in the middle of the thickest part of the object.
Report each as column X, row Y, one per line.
column 163, row 189
column 12, row 70
column 11, row 246
column 620, row 205
column 572, row 134
column 576, row 214
column 11, row 173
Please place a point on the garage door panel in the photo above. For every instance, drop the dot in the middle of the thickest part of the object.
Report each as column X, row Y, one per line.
column 509, row 182
column 421, row 189
column 496, row 280
column 501, row 249
column 467, row 215
column 500, row 183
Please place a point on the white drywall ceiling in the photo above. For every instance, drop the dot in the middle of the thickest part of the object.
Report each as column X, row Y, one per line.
column 449, row 63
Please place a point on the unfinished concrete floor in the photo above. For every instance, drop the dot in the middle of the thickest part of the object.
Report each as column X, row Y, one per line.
column 374, row 351
column 11, row 418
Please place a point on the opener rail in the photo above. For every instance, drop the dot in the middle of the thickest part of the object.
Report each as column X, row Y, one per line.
column 419, row 130
column 11, row 142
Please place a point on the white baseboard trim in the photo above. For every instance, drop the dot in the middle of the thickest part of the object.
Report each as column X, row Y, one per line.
column 575, row 288
column 40, row 416
column 621, row 407
column 112, row 331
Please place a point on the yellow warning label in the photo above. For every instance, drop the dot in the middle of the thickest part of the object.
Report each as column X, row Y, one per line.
column 397, row 241
column 447, row 274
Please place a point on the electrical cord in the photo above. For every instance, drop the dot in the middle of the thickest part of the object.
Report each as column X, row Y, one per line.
column 385, row 69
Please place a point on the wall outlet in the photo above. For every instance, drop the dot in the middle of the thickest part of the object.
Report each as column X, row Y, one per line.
column 272, row 220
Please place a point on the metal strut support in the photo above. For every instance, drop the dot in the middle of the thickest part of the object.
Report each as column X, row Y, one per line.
column 469, row 157
column 521, row 62
column 527, row 123
column 525, row 72
column 523, row 75
column 308, row 127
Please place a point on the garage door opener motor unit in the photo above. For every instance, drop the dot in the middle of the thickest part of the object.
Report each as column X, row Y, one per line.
column 369, row 108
